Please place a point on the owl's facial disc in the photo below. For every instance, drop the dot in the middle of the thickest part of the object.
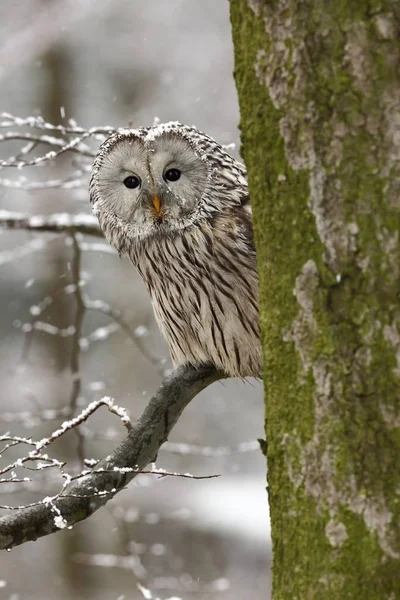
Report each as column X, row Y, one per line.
column 153, row 185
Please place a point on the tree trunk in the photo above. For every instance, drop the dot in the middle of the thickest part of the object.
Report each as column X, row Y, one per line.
column 319, row 93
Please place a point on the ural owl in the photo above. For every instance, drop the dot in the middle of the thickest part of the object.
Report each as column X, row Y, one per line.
column 176, row 203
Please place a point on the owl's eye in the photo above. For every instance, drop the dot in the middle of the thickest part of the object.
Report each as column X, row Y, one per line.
column 132, row 182
column 172, row 175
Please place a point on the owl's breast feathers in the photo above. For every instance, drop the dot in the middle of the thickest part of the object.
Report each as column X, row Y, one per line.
column 204, row 289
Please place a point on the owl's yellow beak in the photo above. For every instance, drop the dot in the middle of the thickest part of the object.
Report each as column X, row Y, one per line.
column 156, row 203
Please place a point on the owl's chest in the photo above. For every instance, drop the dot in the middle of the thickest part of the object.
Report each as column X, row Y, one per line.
column 198, row 277
column 204, row 295
column 178, row 274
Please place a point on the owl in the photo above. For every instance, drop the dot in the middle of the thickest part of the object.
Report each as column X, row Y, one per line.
column 172, row 200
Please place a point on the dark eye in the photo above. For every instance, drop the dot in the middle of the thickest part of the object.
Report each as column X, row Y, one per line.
column 132, row 182
column 172, row 175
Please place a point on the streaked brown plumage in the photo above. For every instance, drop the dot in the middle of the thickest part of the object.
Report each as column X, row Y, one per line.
column 174, row 201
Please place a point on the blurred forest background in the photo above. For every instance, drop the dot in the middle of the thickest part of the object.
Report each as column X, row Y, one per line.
column 115, row 62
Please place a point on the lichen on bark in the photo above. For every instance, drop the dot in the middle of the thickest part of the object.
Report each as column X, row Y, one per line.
column 319, row 94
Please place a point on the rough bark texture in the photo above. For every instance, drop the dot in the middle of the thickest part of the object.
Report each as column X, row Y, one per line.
column 319, row 92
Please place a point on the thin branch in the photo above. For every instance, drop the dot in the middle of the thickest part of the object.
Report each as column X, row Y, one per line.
column 48, row 140
column 136, row 451
column 65, row 494
column 72, row 146
column 40, row 123
column 82, row 417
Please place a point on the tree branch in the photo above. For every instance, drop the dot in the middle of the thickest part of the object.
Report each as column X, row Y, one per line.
column 82, row 498
column 57, row 222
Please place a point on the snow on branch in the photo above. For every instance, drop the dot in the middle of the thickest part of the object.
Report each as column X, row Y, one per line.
column 70, row 137
column 57, row 222
column 47, row 143
column 41, row 143
column 81, row 496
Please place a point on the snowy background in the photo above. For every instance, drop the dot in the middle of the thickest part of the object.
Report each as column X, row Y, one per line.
column 114, row 62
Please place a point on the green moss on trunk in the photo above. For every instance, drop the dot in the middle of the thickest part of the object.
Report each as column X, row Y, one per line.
column 319, row 93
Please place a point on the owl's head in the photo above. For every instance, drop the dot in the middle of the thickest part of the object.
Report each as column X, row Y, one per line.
column 159, row 180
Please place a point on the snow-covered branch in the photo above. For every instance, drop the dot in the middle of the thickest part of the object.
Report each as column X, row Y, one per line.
column 40, row 144
column 82, row 497
column 57, row 222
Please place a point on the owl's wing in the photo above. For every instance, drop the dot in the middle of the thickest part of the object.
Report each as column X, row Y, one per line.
column 245, row 202
column 245, row 198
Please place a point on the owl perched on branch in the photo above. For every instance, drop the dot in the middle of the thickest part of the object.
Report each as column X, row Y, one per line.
column 177, row 204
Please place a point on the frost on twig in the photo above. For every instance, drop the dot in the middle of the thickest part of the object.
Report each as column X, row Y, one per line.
column 44, row 461
column 69, row 138
column 37, row 460
column 39, row 144
column 81, row 497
